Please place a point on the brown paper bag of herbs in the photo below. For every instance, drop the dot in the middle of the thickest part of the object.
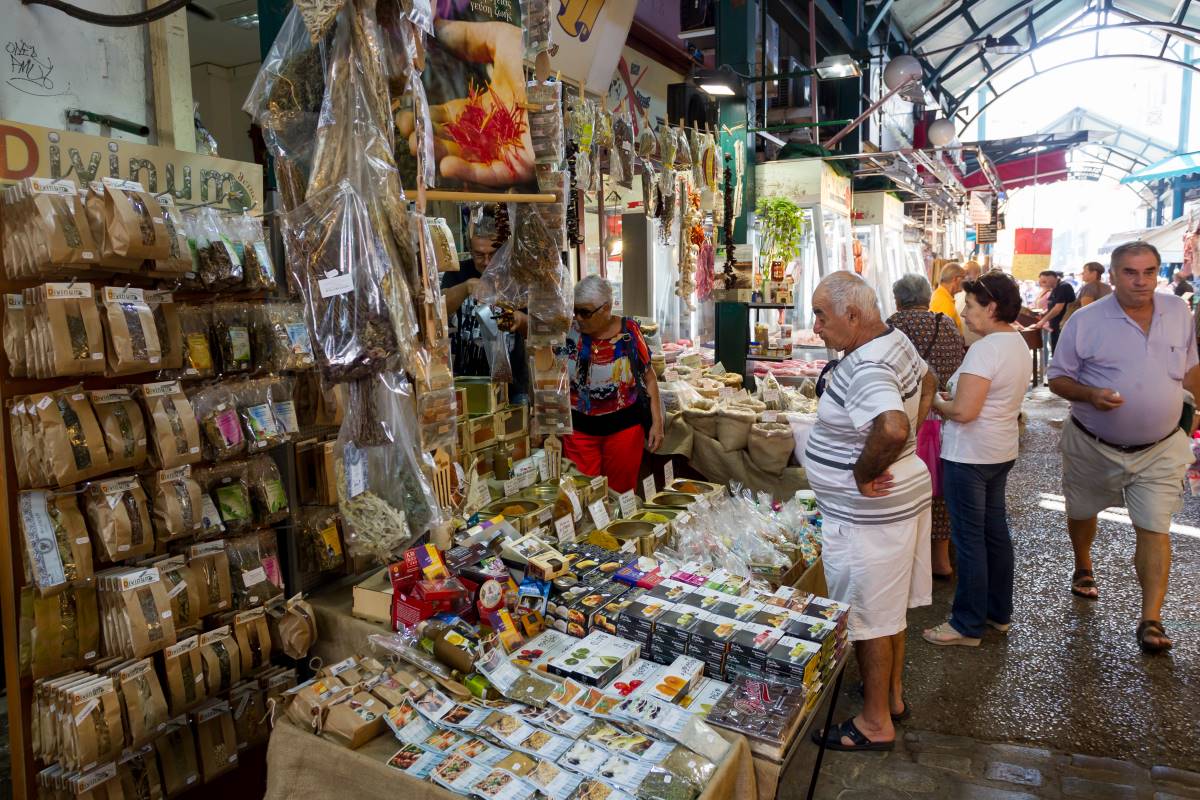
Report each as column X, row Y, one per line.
column 216, row 739
column 222, row 659
column 139, row 776
column 183, row 590
column 184, row 671
column 14, row 334
column 94, row 201
column 293, row 626
column 253, row 636
column 355, row 720
column 308, row 703
column 250, row 718
column 132, row 335
column 65, row 632
column 58, row 552
column 173, row 430
column 92, row 723
column 178, row 504
column 124, row 427
column 138, row 610
column 145, row 708
column 68, row 338
column 133, row 220
column 26, row 452
column 177, row 758
column 72, row 442
column 60, row 234
column 210, row 567
column 169, row 327
column 119, row 514
column 178, row 262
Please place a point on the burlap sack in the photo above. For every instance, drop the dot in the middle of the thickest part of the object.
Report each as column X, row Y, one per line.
column 124, row 427
column 702, row 416
column 132, row 335
column 733, row 427
column 770, row 445
column 72, row 442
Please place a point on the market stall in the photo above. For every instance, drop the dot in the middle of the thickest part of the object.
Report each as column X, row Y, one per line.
column 879, row 233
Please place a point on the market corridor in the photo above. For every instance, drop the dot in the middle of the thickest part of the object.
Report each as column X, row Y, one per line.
column 1068, row 678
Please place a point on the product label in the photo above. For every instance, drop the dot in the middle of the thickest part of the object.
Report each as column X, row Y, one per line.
column 285, row 416
column 68, row 291
column 239, row 343
column 668, row 472
column 336, row 285
column 143, row 577
column 113, row 294
column 648, row 488
column 164, row 388
column 210, row 518
column 599, row 514
column 14, row 301
column 41, row 546
column 297, row 333
column 261, row 422
column 198, row 352
column 253, row 577
column 355, row 463
column 628, row 502
column 565, row 527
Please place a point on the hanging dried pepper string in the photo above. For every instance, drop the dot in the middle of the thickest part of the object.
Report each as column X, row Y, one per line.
column 485, row 136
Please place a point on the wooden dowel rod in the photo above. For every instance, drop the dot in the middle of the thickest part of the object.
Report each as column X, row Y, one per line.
column 485, row 197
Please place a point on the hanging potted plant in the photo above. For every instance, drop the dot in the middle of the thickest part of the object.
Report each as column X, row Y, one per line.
column 782, row 225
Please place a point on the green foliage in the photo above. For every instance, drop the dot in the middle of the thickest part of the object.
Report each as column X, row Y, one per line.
column 782, row 227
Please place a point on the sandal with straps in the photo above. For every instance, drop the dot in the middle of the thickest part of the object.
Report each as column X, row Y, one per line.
column 1083, row 579
column 833, row 738
column 1152, row 627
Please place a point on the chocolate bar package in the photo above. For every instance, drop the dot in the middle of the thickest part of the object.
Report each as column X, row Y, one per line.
column 673, row 632
column 607, row 617
column 759, row 709
column 749, row 647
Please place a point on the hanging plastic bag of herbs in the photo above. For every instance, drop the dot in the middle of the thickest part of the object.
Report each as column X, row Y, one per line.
column 219, row 262
column 385, row 491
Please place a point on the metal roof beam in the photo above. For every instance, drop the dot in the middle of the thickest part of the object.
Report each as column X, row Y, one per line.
column 1033, row 16
column 884, row 9
column 835, row 21
column 951, row 14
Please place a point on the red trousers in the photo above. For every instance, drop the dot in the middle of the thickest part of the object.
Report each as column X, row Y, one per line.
column 617, row 456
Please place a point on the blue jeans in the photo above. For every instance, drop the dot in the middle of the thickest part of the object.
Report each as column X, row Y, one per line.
column 984, row 553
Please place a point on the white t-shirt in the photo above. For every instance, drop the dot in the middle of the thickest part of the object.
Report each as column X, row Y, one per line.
column 991, row 438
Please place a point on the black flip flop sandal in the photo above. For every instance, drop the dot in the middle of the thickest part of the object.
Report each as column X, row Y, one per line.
column 1084, row 579
column 833, row 739
column 1154, row 628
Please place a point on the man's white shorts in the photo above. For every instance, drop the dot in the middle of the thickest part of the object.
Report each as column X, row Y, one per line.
column 881, row 571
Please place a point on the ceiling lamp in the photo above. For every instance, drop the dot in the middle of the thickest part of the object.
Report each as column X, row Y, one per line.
column 941, row 132
column 834, row 67
column 1006, row 45
column 901, row 70
column 717, row 82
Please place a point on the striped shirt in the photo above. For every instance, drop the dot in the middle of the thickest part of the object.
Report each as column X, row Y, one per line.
column 884, row 374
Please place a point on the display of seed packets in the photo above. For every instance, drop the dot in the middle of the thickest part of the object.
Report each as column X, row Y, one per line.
column 619, row 742
column 407, row 724
column 458, row 774
column 433, row 704
column 443, row 740
column 515, row 733
column 413, row 761
column 655, row 713
column 625, row 772
column 567, row 693
column 564, row 721
column 584, row 758
column 553, row 781
column 599, row 790
column 464, row 716
column 481, row 752
column 500, row 784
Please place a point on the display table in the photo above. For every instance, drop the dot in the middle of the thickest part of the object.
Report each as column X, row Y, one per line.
column 706, row 455
column 339, row 633
column 301, row 764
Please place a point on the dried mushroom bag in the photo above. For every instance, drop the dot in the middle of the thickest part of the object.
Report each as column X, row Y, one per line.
column 65, row 631
column 293, row 627
column 216, row 739
column 267, row 491
column 120, row 518
column 145, row 612
column 178, row 261
column 72, row 441
column 92, row 723
column 173, row 428
column 124, row 427
column 197, row 343
column 210, row 568
column 177, row 758
column 231, row 332
column 62, row 235
column 251, row 584
column 258, row 417
column 222, row 659
column 184, row 669
column 168, row 326
column 142, row 700
column 258, row 266
column 217, row 413
column 72, row 334
column 253, row 636
column 14, row 334
column 183, row 590
column 178, row 505
column 134, row 223
column 339, row 264
column 58, row 552
column 320, row 541
column 219, row 264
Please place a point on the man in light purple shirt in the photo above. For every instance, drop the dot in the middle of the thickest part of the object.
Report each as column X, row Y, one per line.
column 1124, row 362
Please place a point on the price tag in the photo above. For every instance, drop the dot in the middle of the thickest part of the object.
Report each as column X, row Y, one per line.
column 512, row 486
column 628, row 501
column 648, row 489
column 599, row 514
column 478, row 495
column 769, row 416
column 544, row 469
column 668, row 472
column 770, row 395
column 565, row 528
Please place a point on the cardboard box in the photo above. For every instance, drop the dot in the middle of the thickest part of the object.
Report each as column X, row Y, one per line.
column 641, row 673
column 373, row 598
column 672, row 683
column 480, row 432
column 512, row 422
column 794, row 661
column 606, row 618
column 482, row 396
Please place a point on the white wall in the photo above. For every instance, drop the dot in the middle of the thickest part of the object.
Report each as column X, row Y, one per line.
column 53, row 62
column 220, row 91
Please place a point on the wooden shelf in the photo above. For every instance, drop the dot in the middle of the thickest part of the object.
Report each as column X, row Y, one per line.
column 779, row 306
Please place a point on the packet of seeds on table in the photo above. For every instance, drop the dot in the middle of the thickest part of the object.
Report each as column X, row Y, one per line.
column 222, row 659
column 58, row 552
column 231, row 331
column 67, row 328
column 132, row 335
column 177, row 758
column 210, row 567
column 184, row 669
column 183, row 590
column 169, row 328
column 198, row 361
column 72, row 441
column 145, row 708
column 124, row 427
column 119, row 514
column 217, row 413
column 173, row 428
column 178, row 504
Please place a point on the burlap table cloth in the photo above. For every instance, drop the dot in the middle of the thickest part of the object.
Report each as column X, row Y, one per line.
column 302, row 765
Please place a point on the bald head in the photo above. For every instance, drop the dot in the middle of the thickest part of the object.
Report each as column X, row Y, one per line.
column 972, row 270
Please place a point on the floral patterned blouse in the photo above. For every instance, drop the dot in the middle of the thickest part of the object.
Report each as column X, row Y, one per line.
column 939, row 343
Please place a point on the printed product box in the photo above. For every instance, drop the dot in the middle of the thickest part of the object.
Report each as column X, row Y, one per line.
column 596, row 659
column 794, row 661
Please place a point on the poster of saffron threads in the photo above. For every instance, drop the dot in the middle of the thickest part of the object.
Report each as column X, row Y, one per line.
column 475, row 82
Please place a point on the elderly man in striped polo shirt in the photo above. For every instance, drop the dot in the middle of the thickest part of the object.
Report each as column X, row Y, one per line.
column 874, row 494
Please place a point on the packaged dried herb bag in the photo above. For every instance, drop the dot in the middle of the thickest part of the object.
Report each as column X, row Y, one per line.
column 267, row 491
column 95, row 200
column 258, row 266
column 178, row 504
column 120, row 518
column 178, row 262
column 173, row 428
column 58, row 552
column 134, row 223
column 217, row 412
column 138, row 773
column 65, row 631
column 59, row 234
column 229, row 487
column 250, row 716
column 219, row 263
column 293, row 625
column 184, row 670
column 67, row 329
column 14, row 334
column 210, row 567
column 138, row 611
column 282, row 341
column 258, row 417
column 169, row 328
column 177, row 758
column 92, row 723
column 198, row 360
column 73, row 443
column 183, row 590
column 251, row 584
column 319, row 538
column 216, row 739
column 231, row 332
column 222, row 659
column 253, row 636
column 132, row 335
column 143, row 704
column 27, row 443
column 124, row 427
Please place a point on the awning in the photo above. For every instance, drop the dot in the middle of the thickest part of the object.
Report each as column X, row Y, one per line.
column 1041, row 168
column 1170, row 167
column 1121, row 237
column 1169, row 240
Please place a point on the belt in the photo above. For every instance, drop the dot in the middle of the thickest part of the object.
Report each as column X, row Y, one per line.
column 1124, row 448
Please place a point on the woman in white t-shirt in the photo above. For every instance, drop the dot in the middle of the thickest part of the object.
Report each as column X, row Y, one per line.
column 979, row 446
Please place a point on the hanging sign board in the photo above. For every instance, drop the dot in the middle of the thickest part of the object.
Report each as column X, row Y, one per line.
column 590, row 35
column 980, row 207
column 805, row 181
column 879, row 208
column 31, row 151
column 1031, row 252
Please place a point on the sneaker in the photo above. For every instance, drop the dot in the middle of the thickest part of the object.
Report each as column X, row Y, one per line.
column 999, row 626
column 945, row 634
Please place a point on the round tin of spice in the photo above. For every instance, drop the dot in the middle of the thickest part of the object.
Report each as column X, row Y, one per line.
column 491, row 597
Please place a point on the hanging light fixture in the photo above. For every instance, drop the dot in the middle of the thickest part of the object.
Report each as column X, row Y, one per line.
column 901, row 70
column 1006, row 45
column 841, row 66
column 941, row 132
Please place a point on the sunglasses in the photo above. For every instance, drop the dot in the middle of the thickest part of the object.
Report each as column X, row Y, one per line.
column 587, row 313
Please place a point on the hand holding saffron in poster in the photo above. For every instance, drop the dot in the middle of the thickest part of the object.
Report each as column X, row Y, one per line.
column 482, row 138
